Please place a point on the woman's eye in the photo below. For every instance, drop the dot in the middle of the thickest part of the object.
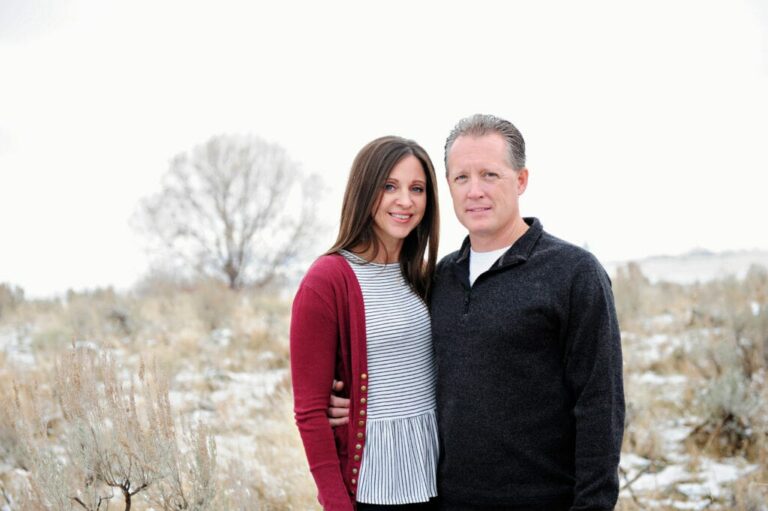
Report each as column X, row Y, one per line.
column 389, row 187
column 418, row 189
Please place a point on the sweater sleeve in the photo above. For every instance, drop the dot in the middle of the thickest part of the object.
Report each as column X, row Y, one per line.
column 594, row 375
column 313, row 345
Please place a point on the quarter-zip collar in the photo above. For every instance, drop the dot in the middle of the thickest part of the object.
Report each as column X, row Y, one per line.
column 519, row 252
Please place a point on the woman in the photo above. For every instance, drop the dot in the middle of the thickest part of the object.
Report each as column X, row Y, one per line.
column 360, row 316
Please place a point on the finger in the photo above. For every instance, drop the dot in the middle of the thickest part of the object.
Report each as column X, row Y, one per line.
column 339, row 422
column 337, row 385
column 338, row 412
column 340, row 402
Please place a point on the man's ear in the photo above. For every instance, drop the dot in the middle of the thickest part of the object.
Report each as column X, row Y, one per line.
column 522, row 180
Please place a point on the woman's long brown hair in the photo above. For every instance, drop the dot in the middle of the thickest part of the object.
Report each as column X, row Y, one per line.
column 369, row 173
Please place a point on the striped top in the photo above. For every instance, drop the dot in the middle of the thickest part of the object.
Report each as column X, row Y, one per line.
column 399, row 464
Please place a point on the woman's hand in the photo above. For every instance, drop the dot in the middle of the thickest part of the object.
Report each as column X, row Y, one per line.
column 338, row 407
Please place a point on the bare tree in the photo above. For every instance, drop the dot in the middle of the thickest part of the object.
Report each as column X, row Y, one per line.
column 235, row 207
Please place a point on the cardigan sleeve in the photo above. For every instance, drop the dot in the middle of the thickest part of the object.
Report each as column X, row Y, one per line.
column 594, row 375
column 314, row 338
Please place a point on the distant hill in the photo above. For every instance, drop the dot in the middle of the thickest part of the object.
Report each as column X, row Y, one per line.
column 696, row 265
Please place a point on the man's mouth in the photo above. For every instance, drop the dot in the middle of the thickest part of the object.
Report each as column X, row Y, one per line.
column 478, row 209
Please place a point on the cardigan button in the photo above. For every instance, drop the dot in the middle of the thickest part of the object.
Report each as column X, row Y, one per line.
column 363, row 388
column 361, row 423
column 358, row 447
column 354, row 471
column 362, row 413
column 357, row 457
column 364, row 376
column 354, row 481
column 359, row 435
column 363, row 400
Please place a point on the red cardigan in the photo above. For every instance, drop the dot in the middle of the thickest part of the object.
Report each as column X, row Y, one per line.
column 328, row 341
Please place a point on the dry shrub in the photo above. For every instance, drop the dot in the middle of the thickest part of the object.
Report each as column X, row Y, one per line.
column 103, row 433
column 644, row 439
column 638, row 300
column 7, row 490
column 630, row 288
column 51, row 325
column 750, row 493
column 168, row 319
column 731, row 360
column 173, row 307
column 214, row 303
column 284, row 481
column 10, row 442
column 677, row 362
column 164, row 306
column 100, row 314
column 28, row 415
column 642, row 434
column 262, row 324
column 39, row 323
column 735, row 423
column 10, row 298
column 628, row 504
column 738, row 311
column 118, row 440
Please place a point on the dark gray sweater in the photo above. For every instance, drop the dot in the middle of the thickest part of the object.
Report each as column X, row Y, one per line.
column 530, row 393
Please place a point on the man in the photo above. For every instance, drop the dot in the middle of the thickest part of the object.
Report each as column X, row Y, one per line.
column 529, row 392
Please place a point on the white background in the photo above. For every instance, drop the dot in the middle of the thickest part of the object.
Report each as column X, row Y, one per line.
column 646, row 122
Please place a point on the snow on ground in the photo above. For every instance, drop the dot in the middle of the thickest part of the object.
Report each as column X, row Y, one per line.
column 237, row 406
column 678, row 480
column 651, row 378
column 17, row 348
column 234, row 403
column 653, row 349
column 669, row 388
column 248, row 389
column 225, row 397
column 699, row 482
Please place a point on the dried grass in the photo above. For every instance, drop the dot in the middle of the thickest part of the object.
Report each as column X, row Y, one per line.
column 210, row 335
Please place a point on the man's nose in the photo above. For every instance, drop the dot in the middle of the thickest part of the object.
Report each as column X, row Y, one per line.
column 475, row 188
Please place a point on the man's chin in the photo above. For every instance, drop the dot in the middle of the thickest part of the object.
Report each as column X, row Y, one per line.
column 476, row 228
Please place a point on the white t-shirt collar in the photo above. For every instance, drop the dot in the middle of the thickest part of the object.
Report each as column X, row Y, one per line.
column 480, row 262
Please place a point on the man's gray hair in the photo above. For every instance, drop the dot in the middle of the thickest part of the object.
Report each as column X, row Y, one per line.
column 481, row 124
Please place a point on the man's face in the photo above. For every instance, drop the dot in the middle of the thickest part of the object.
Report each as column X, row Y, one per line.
column 485, row 188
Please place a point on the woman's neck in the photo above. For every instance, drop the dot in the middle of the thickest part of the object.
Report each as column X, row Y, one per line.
column 378, row 253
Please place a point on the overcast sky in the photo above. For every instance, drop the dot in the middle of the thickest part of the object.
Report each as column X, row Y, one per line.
column 646, row 122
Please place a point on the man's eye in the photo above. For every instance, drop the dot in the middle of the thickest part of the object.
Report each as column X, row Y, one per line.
column 460, row 179
column 491, row 175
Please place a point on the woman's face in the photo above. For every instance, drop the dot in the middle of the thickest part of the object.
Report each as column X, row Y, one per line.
column 401, row 203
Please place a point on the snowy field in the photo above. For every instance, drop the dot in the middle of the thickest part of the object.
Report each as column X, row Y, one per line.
column 670, row 476
column 231, row 373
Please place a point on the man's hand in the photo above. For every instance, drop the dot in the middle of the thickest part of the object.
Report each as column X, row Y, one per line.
column 338, row 407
